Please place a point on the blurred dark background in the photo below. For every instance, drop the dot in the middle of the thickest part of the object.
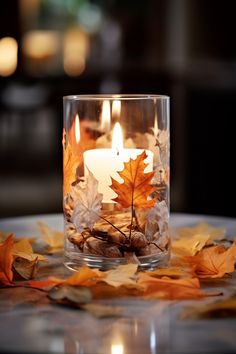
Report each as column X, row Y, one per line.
column 182, row 48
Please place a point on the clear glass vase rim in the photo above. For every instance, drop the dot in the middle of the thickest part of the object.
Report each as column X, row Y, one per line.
column 115, row 97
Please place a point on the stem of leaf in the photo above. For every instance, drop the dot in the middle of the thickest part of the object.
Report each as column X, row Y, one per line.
column 113, row 225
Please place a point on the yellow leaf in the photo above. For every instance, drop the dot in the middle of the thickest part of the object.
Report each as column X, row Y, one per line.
column 214, row 233
column 54, row 239
column 136, row 187
column 190, row 246
column 23, row 249
column 122, row 275
column 214, row 262
column 6, row 260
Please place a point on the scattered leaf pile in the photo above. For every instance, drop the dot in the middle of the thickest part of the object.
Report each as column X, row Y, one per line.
column 181, row 280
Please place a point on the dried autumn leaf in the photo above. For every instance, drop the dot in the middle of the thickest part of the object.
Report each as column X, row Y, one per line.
column 87, row 203
column 190, row 246
column 214, row 233
column 54, row 239
column 172, row 272
column 214, row 262
column 84, row 277
column 172, row 289
column 25, row 268
column 71, row 162
column 6, row 260
column 218, row 309
column 122, row 275
column 23, row 249
column 136, row 187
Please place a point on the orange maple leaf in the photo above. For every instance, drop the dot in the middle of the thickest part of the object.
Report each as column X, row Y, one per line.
column 73, row 153
column 6, row 260
column 84, row 277
column 172, row 289
column 136, row 187
column 214, row 262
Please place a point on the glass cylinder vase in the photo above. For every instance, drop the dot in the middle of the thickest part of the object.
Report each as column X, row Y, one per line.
column 116, row 180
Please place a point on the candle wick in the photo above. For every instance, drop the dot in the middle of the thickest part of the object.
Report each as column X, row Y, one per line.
column 117, row 153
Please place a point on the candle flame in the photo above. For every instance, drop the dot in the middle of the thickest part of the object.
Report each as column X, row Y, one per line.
column 117, row 138
column 77, row 129
column 106, row 116
column 116, row 108
column 155, row 129
column 117, row 349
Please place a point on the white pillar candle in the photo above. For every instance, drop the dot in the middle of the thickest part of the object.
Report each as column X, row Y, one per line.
column 104, row 164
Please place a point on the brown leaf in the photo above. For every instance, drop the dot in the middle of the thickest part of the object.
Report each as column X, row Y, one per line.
column 136, row 187
column 218, row 309
column 54, row 239
column 214, row 262
column 172, row 289
column 6, row 260
column 25, row 268
column 4, row 235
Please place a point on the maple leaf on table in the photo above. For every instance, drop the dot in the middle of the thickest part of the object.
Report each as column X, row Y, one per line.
column 87, row 203
column 6, row 260
column 202, row 229
column 171, row 289
column 214, row 262
column 136, row 188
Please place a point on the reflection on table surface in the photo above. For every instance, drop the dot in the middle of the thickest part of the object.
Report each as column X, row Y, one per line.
column 145, row 326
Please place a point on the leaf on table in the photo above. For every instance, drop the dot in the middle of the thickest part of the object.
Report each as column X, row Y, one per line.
column 23, row 249
column 214, row 262
column 136, row 187
column 190, row 246
column 171, row 289
column 217, row 309
column 25, row 268
column 53, row 238
column 6, row 260
column 172, row 272
column 83, row 277
column 214, row 233
column 102, row 311
column 76, row 295
column 122, row 275
column 87, row 203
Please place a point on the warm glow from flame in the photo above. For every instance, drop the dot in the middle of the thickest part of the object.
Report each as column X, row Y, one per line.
column 116, row 108
column 106, row 116
column 155, row 130
column 117, row 349
column 77, row 129
column 117, row 138
column 8, row 56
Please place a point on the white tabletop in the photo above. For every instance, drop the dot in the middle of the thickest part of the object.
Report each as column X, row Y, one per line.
column 147, row 326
